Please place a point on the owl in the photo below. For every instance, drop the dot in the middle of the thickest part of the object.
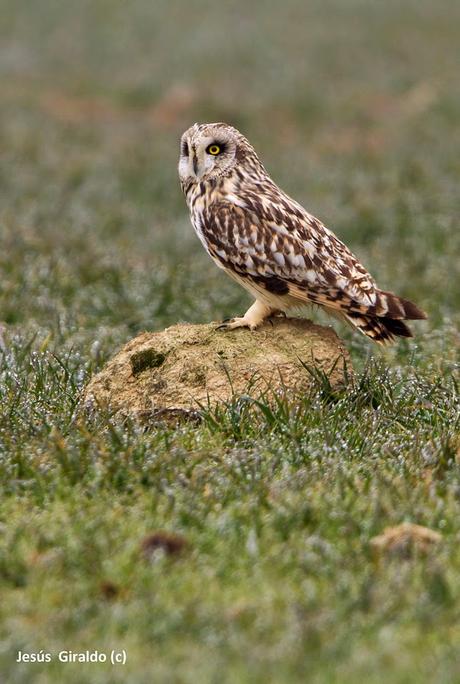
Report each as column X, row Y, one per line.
column 271, row 245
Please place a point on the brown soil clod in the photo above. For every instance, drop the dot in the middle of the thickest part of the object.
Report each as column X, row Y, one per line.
column 405, row 540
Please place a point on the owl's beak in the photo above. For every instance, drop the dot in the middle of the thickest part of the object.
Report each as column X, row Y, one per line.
column 195, row 164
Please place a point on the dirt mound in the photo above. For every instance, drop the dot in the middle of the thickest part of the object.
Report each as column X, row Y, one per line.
column 404, row 540
column 186, row 366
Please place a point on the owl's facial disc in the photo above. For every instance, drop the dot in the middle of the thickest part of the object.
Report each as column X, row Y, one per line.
column 206, row 154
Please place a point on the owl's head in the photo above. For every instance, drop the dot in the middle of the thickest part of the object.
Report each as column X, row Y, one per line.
column 209, row 151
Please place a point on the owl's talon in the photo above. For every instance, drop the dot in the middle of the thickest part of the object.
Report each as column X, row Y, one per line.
column 226, row 324
column 233, row 323
column 277, row 314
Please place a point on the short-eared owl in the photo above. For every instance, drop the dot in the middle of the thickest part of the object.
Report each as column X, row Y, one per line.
column 273, row 247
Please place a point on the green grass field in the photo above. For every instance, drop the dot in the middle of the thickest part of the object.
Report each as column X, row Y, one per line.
column 354, row 108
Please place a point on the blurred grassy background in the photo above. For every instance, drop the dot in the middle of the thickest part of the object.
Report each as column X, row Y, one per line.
column 354, row 109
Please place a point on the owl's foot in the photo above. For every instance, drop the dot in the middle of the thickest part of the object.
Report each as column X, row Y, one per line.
column 232, row 323
column 254, row 316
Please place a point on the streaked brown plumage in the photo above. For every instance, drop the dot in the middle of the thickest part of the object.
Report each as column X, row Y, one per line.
column 273, row 247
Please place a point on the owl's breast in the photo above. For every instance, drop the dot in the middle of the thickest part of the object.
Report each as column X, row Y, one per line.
column 210, row 247
column 218, row 217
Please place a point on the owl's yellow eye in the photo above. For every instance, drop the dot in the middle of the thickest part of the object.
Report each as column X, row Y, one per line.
column 213, row 149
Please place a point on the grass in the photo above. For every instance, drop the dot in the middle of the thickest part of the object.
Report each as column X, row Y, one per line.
column 353, row 109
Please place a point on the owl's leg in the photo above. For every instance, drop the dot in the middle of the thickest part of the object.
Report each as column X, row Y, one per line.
column 254, row 316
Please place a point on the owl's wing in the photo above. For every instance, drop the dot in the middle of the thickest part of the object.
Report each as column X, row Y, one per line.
column 285, row 250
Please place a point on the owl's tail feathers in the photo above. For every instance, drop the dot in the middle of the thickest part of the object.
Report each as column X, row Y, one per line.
column 380, row 329
column 384, row 328
column 391, row 306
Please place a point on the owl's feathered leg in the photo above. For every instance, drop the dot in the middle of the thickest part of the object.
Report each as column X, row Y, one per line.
column 254, row 316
